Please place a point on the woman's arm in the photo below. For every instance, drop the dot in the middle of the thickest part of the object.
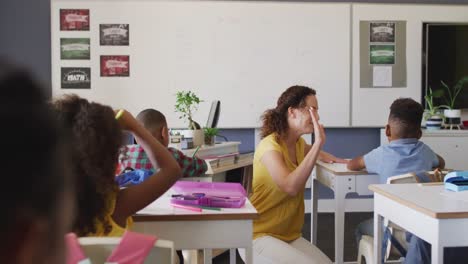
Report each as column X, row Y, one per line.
column 294, row 181
column 135, row 198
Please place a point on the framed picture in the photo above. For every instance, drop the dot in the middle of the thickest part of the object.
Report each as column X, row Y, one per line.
column 74, row 19
column 115, row 65
column 75, row 49
column 382, row 54
column 75, row 78
column 382, row 32
column 114, row 34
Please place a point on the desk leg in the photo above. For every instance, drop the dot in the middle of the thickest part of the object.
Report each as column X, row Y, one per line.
column 378, row 236
column 313, row 210
column 249, row 255
column 232, row 256
column 437, row 253
column 207, row 254
column 340, row 195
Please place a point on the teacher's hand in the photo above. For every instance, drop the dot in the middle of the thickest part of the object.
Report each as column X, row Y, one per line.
column 319, row 132
column 330, row 158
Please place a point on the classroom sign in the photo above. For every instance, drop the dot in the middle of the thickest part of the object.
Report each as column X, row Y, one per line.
column 382, row 54
column 115, row 65
column 114, row 34
column 74, row 19
column 76, row 78
column 74, row 49
column 382, row 32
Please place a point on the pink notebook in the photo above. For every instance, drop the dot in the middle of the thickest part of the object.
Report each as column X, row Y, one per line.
column 74, row 252
column 133, row 248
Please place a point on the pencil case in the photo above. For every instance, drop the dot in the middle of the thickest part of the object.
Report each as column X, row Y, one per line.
column 212, row 194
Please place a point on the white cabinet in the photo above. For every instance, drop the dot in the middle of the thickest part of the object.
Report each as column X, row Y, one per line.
column 451, row 145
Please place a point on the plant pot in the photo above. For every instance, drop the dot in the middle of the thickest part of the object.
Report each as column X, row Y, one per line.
column 197, row 136
column 434, row 122
column 209, row 140
column 452, row 116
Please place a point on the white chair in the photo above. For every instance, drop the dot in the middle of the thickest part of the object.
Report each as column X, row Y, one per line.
column 97, row 249
column 366, row 244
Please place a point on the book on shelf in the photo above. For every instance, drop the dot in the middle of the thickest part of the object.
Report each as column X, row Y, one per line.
column 207, row 152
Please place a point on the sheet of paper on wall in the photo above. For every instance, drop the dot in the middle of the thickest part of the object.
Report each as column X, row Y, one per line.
column 382, row 76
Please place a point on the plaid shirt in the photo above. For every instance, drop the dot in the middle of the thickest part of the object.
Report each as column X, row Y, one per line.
column 135, row 157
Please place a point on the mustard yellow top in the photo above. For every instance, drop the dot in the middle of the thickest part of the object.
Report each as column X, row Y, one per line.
column 116, row 230
column 280, row 215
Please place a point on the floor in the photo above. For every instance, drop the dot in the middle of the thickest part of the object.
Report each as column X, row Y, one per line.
column 325, row 236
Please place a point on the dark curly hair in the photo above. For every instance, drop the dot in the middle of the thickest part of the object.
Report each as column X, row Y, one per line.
column 96, row 139
column 275, row 120
column 406, row 115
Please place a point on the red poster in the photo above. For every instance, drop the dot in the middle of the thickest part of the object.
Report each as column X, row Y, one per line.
column 115, row 65
column 74, row 19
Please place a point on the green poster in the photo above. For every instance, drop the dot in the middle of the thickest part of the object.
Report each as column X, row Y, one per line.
column 382, row 54
column 74, row 49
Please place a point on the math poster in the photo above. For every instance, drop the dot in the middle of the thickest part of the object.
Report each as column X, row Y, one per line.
column 75, row 78
column 382, row 54
column 74, row 19
column 382, row 32
column 115, row 66
column 114, row 34
column 75, row 49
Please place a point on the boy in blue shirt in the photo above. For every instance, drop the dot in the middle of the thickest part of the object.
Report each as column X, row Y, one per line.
column 404, row 153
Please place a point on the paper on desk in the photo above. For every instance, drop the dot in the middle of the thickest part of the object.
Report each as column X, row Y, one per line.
column 382, row 76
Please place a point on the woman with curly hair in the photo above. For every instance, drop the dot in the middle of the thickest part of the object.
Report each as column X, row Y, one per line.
column 283, row 162
column 103, row 209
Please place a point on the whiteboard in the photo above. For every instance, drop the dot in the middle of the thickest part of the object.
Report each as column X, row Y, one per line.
column 241, row 53
column 370, row 107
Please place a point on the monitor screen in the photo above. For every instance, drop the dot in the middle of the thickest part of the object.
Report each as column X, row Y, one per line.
column 445, row 58
column 214, row 114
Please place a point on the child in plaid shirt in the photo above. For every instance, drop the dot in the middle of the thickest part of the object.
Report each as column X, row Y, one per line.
column 135, row 157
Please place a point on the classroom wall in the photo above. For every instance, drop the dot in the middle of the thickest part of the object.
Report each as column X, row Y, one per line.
column 25, row 27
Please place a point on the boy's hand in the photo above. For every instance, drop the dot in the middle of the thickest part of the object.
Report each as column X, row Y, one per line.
column 319, row 132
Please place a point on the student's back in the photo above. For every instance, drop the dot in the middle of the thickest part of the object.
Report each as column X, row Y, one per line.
column 104, row 209
column 405, row 153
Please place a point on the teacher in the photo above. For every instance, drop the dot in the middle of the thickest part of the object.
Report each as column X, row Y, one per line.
column 282, row 164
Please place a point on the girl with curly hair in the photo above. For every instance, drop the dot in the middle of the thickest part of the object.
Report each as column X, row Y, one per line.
column 103, row 209
column 283, row 162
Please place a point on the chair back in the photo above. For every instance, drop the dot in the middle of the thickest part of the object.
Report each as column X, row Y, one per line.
column 403, row 178
column 98, row 249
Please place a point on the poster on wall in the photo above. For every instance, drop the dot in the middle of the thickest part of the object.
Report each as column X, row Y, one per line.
column 74, row 19
column 75, row 78
column 382, row 32
column 382, row 54
column 115, row 65
column 114, row 34
column 74, row 49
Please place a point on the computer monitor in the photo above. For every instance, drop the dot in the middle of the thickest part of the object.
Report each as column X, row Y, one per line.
column 214, row 114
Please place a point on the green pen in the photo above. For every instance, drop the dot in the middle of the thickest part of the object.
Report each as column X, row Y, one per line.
column 209, row 208
column 195, row 152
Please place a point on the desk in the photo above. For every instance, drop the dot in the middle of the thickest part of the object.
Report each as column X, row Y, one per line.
column 229, row 228
column 438, row 216
column 341, row 181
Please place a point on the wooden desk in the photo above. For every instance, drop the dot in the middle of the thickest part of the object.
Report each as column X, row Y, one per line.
column 341, row 181
column 430, row 212
column 228, row 228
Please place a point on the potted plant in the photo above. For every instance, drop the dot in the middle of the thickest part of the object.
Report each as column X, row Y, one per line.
column 187, row 104
column 433, row 115
column 452, row 115
column 210, row 133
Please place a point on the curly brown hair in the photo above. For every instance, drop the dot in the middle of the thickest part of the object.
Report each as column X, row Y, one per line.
column 275, row 120
column 96, row 138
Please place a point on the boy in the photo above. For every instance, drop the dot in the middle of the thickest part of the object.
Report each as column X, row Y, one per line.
column 155, row 122
column 404, row 153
